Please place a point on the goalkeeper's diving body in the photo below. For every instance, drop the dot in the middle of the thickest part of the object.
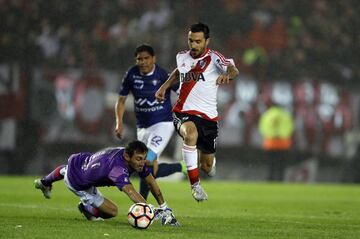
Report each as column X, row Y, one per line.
column 109, row 167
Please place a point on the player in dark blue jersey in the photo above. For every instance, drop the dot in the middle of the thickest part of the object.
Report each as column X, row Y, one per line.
column 153, row 118
column 109, row 167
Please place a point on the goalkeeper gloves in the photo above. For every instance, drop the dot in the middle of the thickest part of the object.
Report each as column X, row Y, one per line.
column 165, row 214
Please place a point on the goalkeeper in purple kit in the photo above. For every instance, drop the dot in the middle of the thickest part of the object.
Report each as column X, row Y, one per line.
column 109, row 167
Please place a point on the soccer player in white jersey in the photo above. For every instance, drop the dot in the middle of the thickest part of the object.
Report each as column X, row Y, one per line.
column 200, row 71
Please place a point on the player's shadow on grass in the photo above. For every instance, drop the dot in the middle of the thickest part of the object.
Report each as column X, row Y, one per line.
column 154, row 227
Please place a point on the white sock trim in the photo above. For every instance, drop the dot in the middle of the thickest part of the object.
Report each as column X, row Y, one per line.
column 190, row 156
column 63, row 170
column 189, row 148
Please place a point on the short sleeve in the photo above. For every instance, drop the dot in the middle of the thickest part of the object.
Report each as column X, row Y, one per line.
column 178, row 60
column 119, row 176
column 222, row 62
column 125, row 85
column 183, row 65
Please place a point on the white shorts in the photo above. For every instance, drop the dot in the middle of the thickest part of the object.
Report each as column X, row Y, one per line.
column 157, row 136
column 91, row 196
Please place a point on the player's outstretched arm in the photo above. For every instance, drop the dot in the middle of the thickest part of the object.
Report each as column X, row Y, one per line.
column 119, row 113
column 232, row 73
column 155, row 189
column 160, row 93
column 133, row 194
column 163, row 213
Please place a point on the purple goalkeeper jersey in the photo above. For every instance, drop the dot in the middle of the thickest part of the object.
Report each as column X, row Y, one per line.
column 104, row 168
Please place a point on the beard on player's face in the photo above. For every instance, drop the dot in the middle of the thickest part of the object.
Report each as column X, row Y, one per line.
column 196, row 52
column 198, row 49
column 197, row 43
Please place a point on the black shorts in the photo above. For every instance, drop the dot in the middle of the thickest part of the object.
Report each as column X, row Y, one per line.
column 207, row 131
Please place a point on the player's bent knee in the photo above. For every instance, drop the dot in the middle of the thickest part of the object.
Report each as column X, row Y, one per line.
column 109, row 209
column 114, row 212
column 190, row 134
column 190, row 138
column 206, row 168
column 206, row 164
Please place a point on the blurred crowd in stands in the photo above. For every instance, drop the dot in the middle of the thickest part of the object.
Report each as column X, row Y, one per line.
column 270, row 39
column 303, row 55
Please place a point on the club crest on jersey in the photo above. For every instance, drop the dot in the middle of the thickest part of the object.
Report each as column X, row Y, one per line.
column 191, row 76
column 155, row 81
column 202, row 64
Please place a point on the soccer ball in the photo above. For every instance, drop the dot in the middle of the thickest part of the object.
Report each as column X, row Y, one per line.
column 140, row 215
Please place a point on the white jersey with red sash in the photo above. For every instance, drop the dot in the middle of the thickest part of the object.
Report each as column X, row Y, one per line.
column 198, row 88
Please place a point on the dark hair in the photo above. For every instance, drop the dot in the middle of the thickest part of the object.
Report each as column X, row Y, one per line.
column 144, row 48
column 201, row 27
column 137, row 146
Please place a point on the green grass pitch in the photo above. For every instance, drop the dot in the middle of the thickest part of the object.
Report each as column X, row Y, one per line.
column 234, row 210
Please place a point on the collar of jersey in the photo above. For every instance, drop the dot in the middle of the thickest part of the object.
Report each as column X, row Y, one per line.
column 202, row 55
column 150, row 73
